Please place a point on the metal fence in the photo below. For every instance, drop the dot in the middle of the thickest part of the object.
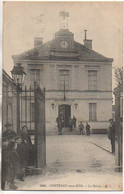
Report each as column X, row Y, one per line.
column 29, row 106
column 32, row 115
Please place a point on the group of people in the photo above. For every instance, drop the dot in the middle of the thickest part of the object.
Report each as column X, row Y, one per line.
column 71, row 124
column 16, row 153
column 81, row 128
column 61, row 123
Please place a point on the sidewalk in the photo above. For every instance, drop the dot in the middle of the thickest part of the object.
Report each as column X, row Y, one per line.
column 75, row 163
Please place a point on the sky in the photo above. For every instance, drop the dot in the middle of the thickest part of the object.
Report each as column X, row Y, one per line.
column 103, row 21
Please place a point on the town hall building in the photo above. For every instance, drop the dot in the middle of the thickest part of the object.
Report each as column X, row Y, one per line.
column 77, row 79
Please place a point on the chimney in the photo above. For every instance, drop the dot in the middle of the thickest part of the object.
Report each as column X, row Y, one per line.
column 87, row 43
column 38, row 41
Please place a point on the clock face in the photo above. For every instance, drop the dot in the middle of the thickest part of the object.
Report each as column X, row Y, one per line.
column 64, row 44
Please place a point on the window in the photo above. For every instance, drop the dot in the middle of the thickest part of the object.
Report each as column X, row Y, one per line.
column 35, row 76
column 92, row 111
column 92, row 80
column 64, row 79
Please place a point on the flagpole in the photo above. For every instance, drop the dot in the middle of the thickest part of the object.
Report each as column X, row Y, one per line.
column 64, row 87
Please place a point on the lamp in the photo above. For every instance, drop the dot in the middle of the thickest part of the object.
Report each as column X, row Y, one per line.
column 52, row 105
column 76, row 105
column 18, row 76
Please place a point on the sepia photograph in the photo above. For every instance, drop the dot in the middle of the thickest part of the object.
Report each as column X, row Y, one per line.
column 62, row 96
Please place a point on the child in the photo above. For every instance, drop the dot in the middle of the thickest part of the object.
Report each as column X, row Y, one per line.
column 81, row 128
column 13, row 164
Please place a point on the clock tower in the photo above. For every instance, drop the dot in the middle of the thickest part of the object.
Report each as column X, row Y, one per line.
column 64, row 19
column 63, row 44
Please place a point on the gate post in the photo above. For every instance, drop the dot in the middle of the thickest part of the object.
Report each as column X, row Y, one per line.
column 40, row 136
column 45, row 121
column 18, row 110
column 35, row 122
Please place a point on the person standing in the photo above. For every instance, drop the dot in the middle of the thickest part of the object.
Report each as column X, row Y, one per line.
column 70, row 123
column 87, row 129
column 4, row 162
column 9, row 132
column 13, row 164
column 22, row 154
column 26, row 140
column 111, row 135
column 60, row 126
column 62, row 121
column 57, row 120
column 74, row 121
column 81, row 128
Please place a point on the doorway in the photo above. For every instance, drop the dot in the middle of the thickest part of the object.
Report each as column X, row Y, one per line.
column 64, row 111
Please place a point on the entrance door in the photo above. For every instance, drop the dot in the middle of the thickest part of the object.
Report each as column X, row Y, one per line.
column 64, row 111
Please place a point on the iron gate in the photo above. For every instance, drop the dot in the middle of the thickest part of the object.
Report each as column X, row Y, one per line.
column 32, row 115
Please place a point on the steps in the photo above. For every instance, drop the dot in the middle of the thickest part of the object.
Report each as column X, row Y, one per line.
column 66, row 131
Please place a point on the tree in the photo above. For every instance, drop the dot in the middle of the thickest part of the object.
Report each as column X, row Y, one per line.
column 119, row 75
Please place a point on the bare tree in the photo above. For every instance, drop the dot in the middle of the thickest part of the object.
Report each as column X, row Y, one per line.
column 119, row 75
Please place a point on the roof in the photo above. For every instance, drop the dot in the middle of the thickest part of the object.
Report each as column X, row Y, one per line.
column 7, row 79
column 45, row 51
column 64, row 32
column 88, row 54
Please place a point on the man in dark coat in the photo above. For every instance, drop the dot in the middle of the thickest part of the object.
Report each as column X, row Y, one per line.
column 87, row 129
column 13, row 164
column 26, row 140
column 58, row 120
column 81, row 128
column 70, row 123
column 74, row 121
column 62, row 120
column 4, row 161
column 9, row 133
column 60, row 126
column 111, row 134
column 22, row 155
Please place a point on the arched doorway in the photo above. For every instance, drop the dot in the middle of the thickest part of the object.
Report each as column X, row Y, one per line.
column 64, row 111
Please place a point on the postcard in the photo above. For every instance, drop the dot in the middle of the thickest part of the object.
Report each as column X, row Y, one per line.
column 62, row 96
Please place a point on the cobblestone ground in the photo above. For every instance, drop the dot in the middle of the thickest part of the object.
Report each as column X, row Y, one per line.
column 75, row 163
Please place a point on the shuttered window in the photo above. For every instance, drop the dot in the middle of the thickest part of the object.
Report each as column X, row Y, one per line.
column 92, row 80
column 92, row 111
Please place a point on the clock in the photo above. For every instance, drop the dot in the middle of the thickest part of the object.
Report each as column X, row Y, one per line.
column 64, row 44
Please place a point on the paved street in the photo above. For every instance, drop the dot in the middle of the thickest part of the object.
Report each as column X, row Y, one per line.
column 74, row 162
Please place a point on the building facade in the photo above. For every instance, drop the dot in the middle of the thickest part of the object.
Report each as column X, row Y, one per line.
column 118, row 92
column 9, row 108
column 77, row 79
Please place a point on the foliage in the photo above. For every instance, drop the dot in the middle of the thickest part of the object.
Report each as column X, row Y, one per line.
column 119, row 75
